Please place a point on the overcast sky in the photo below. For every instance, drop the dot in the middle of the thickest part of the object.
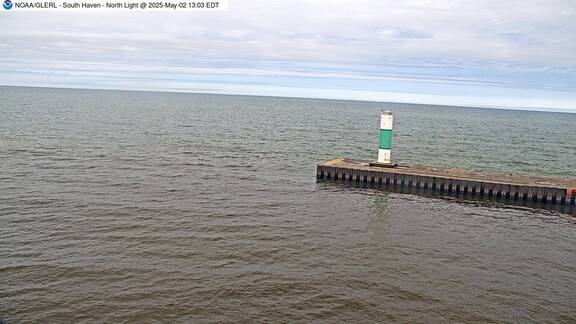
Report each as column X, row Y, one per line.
column 513, row 53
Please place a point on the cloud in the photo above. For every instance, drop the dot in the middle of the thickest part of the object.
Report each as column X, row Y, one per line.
column 445, row 48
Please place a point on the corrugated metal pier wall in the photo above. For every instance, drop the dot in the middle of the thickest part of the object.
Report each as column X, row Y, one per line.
column 530, row 189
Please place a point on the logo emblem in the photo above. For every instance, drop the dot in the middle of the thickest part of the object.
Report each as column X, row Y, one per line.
column 7, row 4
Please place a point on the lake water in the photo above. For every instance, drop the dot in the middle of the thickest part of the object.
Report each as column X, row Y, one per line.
column 133, row 207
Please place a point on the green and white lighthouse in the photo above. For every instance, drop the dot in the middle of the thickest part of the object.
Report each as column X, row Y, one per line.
column 385, row 146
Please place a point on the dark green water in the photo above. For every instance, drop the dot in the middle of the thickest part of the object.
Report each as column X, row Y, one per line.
column 127, row 207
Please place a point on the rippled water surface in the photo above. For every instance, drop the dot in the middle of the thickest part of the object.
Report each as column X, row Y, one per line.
column 157, row 207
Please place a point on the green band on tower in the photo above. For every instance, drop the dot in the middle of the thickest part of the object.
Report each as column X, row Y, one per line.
column 385, row 139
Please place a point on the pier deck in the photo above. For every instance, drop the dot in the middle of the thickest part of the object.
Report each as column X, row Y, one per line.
column 501, row 186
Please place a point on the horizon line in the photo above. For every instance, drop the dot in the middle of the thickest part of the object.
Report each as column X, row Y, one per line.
column 532, row 109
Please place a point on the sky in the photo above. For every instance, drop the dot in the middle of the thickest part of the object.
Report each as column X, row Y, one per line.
column 484, row 53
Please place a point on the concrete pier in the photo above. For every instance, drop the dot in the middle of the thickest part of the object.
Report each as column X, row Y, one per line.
column 498, row 186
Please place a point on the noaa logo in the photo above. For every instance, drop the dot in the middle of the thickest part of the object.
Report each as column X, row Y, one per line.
column 7, row 4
